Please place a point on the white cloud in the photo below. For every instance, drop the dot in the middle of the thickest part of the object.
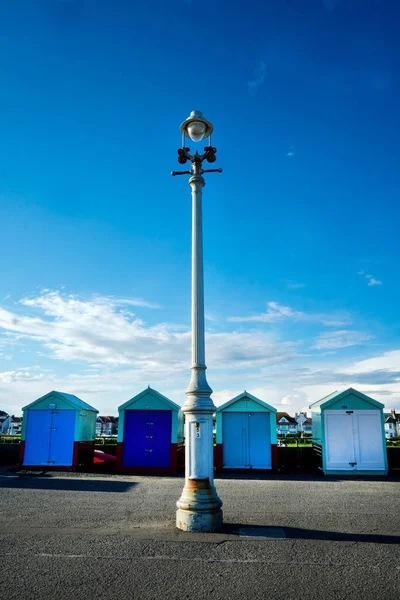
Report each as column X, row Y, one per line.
column 278, row 312
column 373, row 281
column 389, row 361
column 340, row 339
column 20, row 375
column 98, row 332
column 293, row 285
column 331, row 4
column 291, row 152
column 259, row 77
column 112, row 354
column 370, row 278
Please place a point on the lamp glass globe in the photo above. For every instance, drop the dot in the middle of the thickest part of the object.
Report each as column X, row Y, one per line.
column 196, row 130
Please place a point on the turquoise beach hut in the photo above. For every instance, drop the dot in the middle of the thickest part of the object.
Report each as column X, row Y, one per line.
column 349, row 435
column 246, row 434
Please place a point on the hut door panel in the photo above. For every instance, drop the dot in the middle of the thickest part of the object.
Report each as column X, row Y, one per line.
column 62, row 433
column 340, row 450
column 134, row 436
column 235, row 434
column 147, row 438
column 259, row 441
column 369, row 440
column 37, row 438
column 160, row 432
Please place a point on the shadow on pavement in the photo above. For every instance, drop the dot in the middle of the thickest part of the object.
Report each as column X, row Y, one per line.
column 43, row 482
column 297, row 533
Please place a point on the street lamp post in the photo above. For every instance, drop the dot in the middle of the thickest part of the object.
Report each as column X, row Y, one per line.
column 199, row 507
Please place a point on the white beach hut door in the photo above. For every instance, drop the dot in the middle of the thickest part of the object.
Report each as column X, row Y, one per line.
column 354, row 440
column 340, row 451
column 369, row 439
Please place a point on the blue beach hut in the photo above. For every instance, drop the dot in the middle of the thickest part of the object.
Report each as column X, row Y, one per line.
column 150, row 433
column 58, row 431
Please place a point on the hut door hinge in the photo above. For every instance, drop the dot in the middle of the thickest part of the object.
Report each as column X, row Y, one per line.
column 352, row 464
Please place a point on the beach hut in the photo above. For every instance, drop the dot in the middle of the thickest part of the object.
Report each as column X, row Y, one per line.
column 150, row 434
column 348, row 434
column 58, row 432
column 246, row 434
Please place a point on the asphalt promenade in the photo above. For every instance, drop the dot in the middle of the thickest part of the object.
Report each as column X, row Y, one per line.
column 113, row 537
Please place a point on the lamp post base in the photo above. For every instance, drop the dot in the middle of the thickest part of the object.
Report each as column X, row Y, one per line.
column 204, row 521
column 199, row 507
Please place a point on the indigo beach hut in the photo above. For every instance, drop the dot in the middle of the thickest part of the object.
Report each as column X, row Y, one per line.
column 348, row 434
column 150, row 434
column 58, row 431
column 246, row 434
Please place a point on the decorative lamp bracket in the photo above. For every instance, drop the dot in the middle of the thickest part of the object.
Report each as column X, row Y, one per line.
column 197, row 160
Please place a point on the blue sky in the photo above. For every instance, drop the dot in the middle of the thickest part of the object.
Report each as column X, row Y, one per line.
column 300, row 231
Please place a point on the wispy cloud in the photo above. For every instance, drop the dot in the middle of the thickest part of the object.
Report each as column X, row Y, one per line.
column 373, row 281
column 133, row 302
column 97, row 331
column 291, row 152
column 258, row 79
column 389, row 361
column 278, row 312
column 293, row 285
column 331, row 4
column 108, row 354
column 333, row 340
column 370, row 278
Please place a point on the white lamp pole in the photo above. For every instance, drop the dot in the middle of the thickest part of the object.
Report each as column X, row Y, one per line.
column 199, row 507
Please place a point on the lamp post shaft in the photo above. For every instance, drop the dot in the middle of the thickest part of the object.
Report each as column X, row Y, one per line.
column 199, row 507
column 198, row 346
column 198, row 392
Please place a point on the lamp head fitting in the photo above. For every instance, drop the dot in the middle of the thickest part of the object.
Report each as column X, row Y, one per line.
column 196, row 127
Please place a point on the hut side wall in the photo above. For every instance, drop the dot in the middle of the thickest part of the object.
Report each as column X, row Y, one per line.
column 317, row 434
column 85, row 426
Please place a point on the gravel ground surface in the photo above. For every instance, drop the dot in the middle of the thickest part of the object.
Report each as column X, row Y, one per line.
column 98, row 536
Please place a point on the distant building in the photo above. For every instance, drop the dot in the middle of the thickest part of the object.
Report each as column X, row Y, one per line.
column 106, row 426
column 396, row 416
column 3, row 418
column 10, row 425
column 392, row 424
column 304, row 423
column 285, row 423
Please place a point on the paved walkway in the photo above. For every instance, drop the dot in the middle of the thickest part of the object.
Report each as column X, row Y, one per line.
column 83, row 537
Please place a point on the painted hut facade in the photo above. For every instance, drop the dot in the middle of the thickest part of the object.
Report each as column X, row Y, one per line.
column 150, row 434
column 246, row 435
column 349, row 434
column 58, row 432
